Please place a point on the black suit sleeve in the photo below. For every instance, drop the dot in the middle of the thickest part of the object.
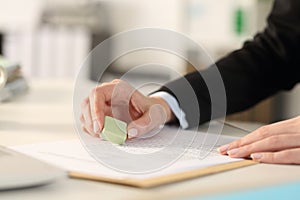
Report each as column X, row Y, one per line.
column 267, row 64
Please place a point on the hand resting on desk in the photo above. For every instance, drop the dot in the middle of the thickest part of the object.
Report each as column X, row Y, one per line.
column 275, row 143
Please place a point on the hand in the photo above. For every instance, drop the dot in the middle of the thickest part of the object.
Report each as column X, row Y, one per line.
column 120, row 100
column 275, row 143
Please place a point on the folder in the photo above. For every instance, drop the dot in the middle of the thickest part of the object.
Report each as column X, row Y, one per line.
column 72, row 156
column 165, row 179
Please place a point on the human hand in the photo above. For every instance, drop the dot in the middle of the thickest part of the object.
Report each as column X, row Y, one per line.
column 120, row 100
column 275, row 143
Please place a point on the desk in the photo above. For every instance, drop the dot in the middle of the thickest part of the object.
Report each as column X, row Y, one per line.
column 45, row 114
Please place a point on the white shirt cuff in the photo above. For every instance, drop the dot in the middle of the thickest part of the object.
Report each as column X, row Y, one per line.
column 172, row 102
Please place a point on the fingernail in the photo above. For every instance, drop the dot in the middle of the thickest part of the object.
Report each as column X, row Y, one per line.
column 256, row 156
column 223, row 148
column 96, row 126
column 132, row 133
column 233, row 151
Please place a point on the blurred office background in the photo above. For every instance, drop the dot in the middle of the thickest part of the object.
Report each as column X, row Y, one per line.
column 51, row 38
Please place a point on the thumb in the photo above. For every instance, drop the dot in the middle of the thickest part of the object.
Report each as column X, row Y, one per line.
column 140, row 126
column 150, row 120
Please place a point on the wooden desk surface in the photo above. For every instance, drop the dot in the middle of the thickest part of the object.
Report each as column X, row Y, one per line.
column 45, row 114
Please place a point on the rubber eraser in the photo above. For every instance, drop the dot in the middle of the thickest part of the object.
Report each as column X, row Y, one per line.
column 114, row 130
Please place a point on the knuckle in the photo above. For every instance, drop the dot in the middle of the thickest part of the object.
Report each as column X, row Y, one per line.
column 249, row 148
column 237, row 143
column 85, row 102
column 272, row 158
column 97, row 111
column 282, row 157
column 264, row 131
column 101, row 86
column 274, row 140
column 145, row 124
column 116, row 81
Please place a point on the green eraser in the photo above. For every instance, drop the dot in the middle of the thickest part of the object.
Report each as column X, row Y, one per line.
column 114, row 130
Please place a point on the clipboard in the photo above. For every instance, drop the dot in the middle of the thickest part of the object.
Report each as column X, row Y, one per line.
column 165, row 179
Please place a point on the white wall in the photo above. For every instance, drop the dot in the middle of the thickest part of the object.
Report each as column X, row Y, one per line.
column 41, row 51
column 131, row 14
column 19, row 14
column 48, row 51
column 37, row 48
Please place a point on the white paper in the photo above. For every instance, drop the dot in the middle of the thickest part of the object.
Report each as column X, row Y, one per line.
column 72, row 156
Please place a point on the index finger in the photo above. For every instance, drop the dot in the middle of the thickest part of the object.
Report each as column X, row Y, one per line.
column 278, row 128
column 101, row 95
column 255, row 136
